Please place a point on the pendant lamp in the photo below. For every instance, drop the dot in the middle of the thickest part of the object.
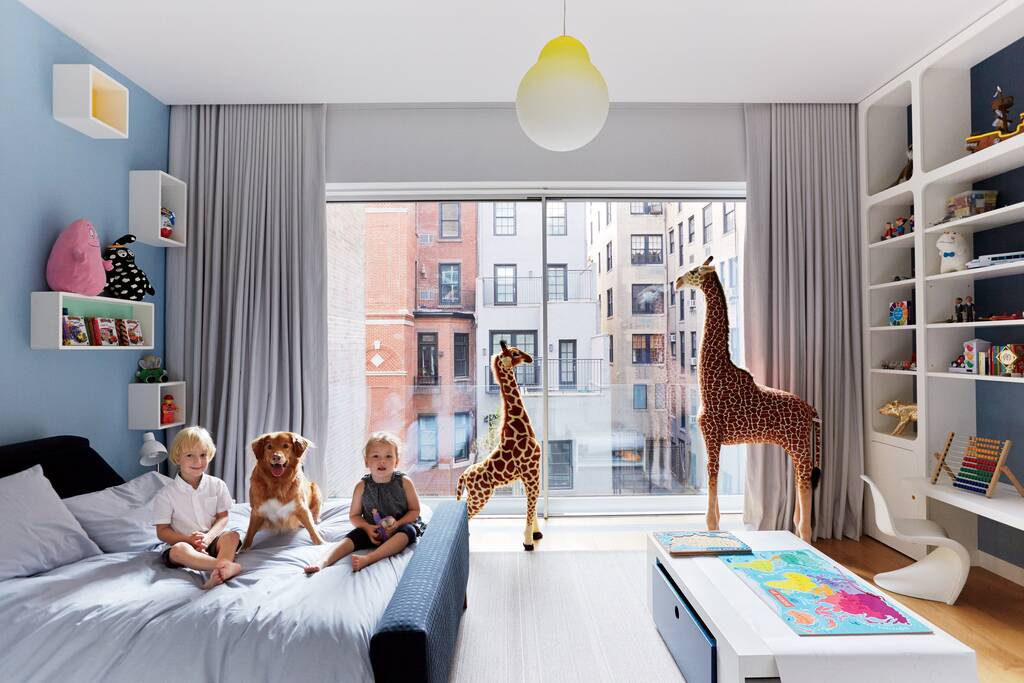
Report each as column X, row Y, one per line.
column 562, row 102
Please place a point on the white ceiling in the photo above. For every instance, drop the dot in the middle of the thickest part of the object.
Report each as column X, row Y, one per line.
column 419, row 51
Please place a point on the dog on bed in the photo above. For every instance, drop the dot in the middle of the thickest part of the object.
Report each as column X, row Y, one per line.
column 280, row 495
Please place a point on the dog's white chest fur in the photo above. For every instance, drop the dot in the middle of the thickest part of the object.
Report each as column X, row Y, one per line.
column 275, row 511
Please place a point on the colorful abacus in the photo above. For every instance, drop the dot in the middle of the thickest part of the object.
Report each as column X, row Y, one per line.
column 976, row 464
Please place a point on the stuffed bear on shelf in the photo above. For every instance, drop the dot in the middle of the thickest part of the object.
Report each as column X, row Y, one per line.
column 126, row 280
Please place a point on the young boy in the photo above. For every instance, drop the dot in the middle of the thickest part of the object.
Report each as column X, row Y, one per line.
column 191, row 512
column 386, row 492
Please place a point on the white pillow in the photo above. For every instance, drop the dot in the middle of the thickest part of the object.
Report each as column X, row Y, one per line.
column 120, row 518
column 37, row 533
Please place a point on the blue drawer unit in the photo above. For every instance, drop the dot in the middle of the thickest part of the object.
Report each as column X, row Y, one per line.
column 689, row 641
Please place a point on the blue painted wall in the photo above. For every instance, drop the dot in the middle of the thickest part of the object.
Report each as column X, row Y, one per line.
column 51, row 175
column 998, row 405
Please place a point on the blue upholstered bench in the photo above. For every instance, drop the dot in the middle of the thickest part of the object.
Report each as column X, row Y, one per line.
column 415, row 638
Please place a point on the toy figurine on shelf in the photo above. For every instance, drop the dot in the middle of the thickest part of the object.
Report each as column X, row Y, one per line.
column 904, row 412
column 888, row 232
column 168, row 410
column 166, row 222
column 1016, row 315
column 1001, row 105
column 969, row 316
column 908, row 168
column 910, row 224
column 958, row 310
column 901, row 226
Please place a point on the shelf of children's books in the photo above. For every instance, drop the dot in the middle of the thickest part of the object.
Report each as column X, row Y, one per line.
column 897, row 284
column 881, row 371
column 889, row 195
column 901, row 242
column 972, row 377
column 1001, row 270
column 997, row 218
column 980, row 323
column 47, row 320
column 985, row 163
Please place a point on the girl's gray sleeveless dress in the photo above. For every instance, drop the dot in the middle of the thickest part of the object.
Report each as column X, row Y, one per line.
column 388, row 499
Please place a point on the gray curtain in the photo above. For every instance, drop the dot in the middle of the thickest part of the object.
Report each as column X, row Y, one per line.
column 246, row 313
column 802, row 296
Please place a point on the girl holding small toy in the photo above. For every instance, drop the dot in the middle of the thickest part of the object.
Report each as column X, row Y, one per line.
column 385, row 509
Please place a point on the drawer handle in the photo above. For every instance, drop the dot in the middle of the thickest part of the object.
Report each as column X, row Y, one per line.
column 677, row 611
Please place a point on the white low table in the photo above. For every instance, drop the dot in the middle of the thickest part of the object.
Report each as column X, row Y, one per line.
column 753, row 643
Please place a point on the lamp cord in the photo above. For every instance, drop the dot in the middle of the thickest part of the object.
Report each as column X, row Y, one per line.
column 563, row 17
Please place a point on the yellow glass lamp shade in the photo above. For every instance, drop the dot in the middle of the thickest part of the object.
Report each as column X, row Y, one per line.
column 562, row 102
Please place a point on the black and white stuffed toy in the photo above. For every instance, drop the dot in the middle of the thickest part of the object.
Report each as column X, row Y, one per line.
column 126, row 280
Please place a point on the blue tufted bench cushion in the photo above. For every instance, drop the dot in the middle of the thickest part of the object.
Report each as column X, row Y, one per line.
column 415, row 638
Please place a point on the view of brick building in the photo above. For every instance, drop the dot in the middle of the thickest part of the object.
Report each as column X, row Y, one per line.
column 421, row 265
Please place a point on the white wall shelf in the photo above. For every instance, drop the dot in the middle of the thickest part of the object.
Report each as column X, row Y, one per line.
column 898, row 284
column 48, row 322
column 929, row 104
column 997, row 218
column 1002, row 270
column 144, row 402
column 1006, row 506
column 901, row 242
column 148, row 192
column 882, row 371
column 969, row 326
column 90, row 101
column 975, row 378
column 894, row 328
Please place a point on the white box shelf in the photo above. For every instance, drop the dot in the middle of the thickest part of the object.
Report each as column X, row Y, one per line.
column 90, row 101
column 148, row 192
column 144, row 405
column 887, row 139
column 48, row 322
column 997, row 218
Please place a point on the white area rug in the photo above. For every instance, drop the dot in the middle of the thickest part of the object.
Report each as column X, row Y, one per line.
column 559, row 617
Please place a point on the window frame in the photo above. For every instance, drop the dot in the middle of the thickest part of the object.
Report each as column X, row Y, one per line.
column 610, row 305
column 644, row 310
column 649, row 350
column 564, row 219
column 638, row 394
column 421, row 419
column 513, row 219
column 441, row 221
column 552, row 465
column 708, row 221
column 728, row 210
column 644, row 255
column 441, row 284
column 421, row 346
column 455, row 355
column 515, row 284
column 563, row 268
column 468, row 436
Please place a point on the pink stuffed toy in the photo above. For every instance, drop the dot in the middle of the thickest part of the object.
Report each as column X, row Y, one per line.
column 75, row 264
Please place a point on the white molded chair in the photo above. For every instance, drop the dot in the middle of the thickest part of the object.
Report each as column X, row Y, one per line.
column 940, row 575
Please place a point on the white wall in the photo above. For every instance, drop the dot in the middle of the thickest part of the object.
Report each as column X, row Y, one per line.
column 483, row 143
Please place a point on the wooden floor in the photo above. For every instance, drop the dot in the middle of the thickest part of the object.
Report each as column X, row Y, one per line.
column 989, row 615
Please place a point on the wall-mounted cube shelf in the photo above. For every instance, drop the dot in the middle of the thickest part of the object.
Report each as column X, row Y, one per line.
column 48, row 322
column 90, row 101
column 148, row 192
column 144, row 402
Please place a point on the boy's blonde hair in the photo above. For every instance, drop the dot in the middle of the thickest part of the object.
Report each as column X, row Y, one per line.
column 190, row 436
column 384, row 437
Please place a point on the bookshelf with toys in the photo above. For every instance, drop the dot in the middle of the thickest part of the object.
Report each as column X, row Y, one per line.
column 947, row 335
column 63, row 321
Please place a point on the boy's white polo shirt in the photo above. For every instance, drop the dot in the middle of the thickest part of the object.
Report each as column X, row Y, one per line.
column 189, row 509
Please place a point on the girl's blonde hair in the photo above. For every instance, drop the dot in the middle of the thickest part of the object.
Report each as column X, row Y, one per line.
column 188, row 437
column 383, row 437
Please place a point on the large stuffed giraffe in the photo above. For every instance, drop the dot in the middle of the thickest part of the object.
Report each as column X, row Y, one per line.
column 735, row 409
column 517, row 455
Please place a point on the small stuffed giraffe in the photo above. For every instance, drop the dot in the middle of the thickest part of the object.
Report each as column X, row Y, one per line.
column 735, row 409
column 517, row 455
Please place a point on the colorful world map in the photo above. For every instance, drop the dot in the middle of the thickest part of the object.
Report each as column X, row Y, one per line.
column 817, row 598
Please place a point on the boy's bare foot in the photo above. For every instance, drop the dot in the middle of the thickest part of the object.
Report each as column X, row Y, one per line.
column 312, row 568
column 228, row 570
column 215, row 579
column 361, row 562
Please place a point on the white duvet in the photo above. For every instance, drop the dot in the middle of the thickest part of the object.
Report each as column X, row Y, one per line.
column 126, row 617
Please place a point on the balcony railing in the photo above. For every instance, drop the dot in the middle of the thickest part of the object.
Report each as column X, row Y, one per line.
column 566, row 375
column 426, row 384
column 526, row 291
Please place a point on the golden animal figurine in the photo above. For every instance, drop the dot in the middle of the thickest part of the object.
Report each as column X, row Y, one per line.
column 905, row 412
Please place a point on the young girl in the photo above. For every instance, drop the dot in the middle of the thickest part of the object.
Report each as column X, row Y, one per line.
column 191, row 512
column 389, row 495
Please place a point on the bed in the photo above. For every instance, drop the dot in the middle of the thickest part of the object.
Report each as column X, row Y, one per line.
column 125, row 617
